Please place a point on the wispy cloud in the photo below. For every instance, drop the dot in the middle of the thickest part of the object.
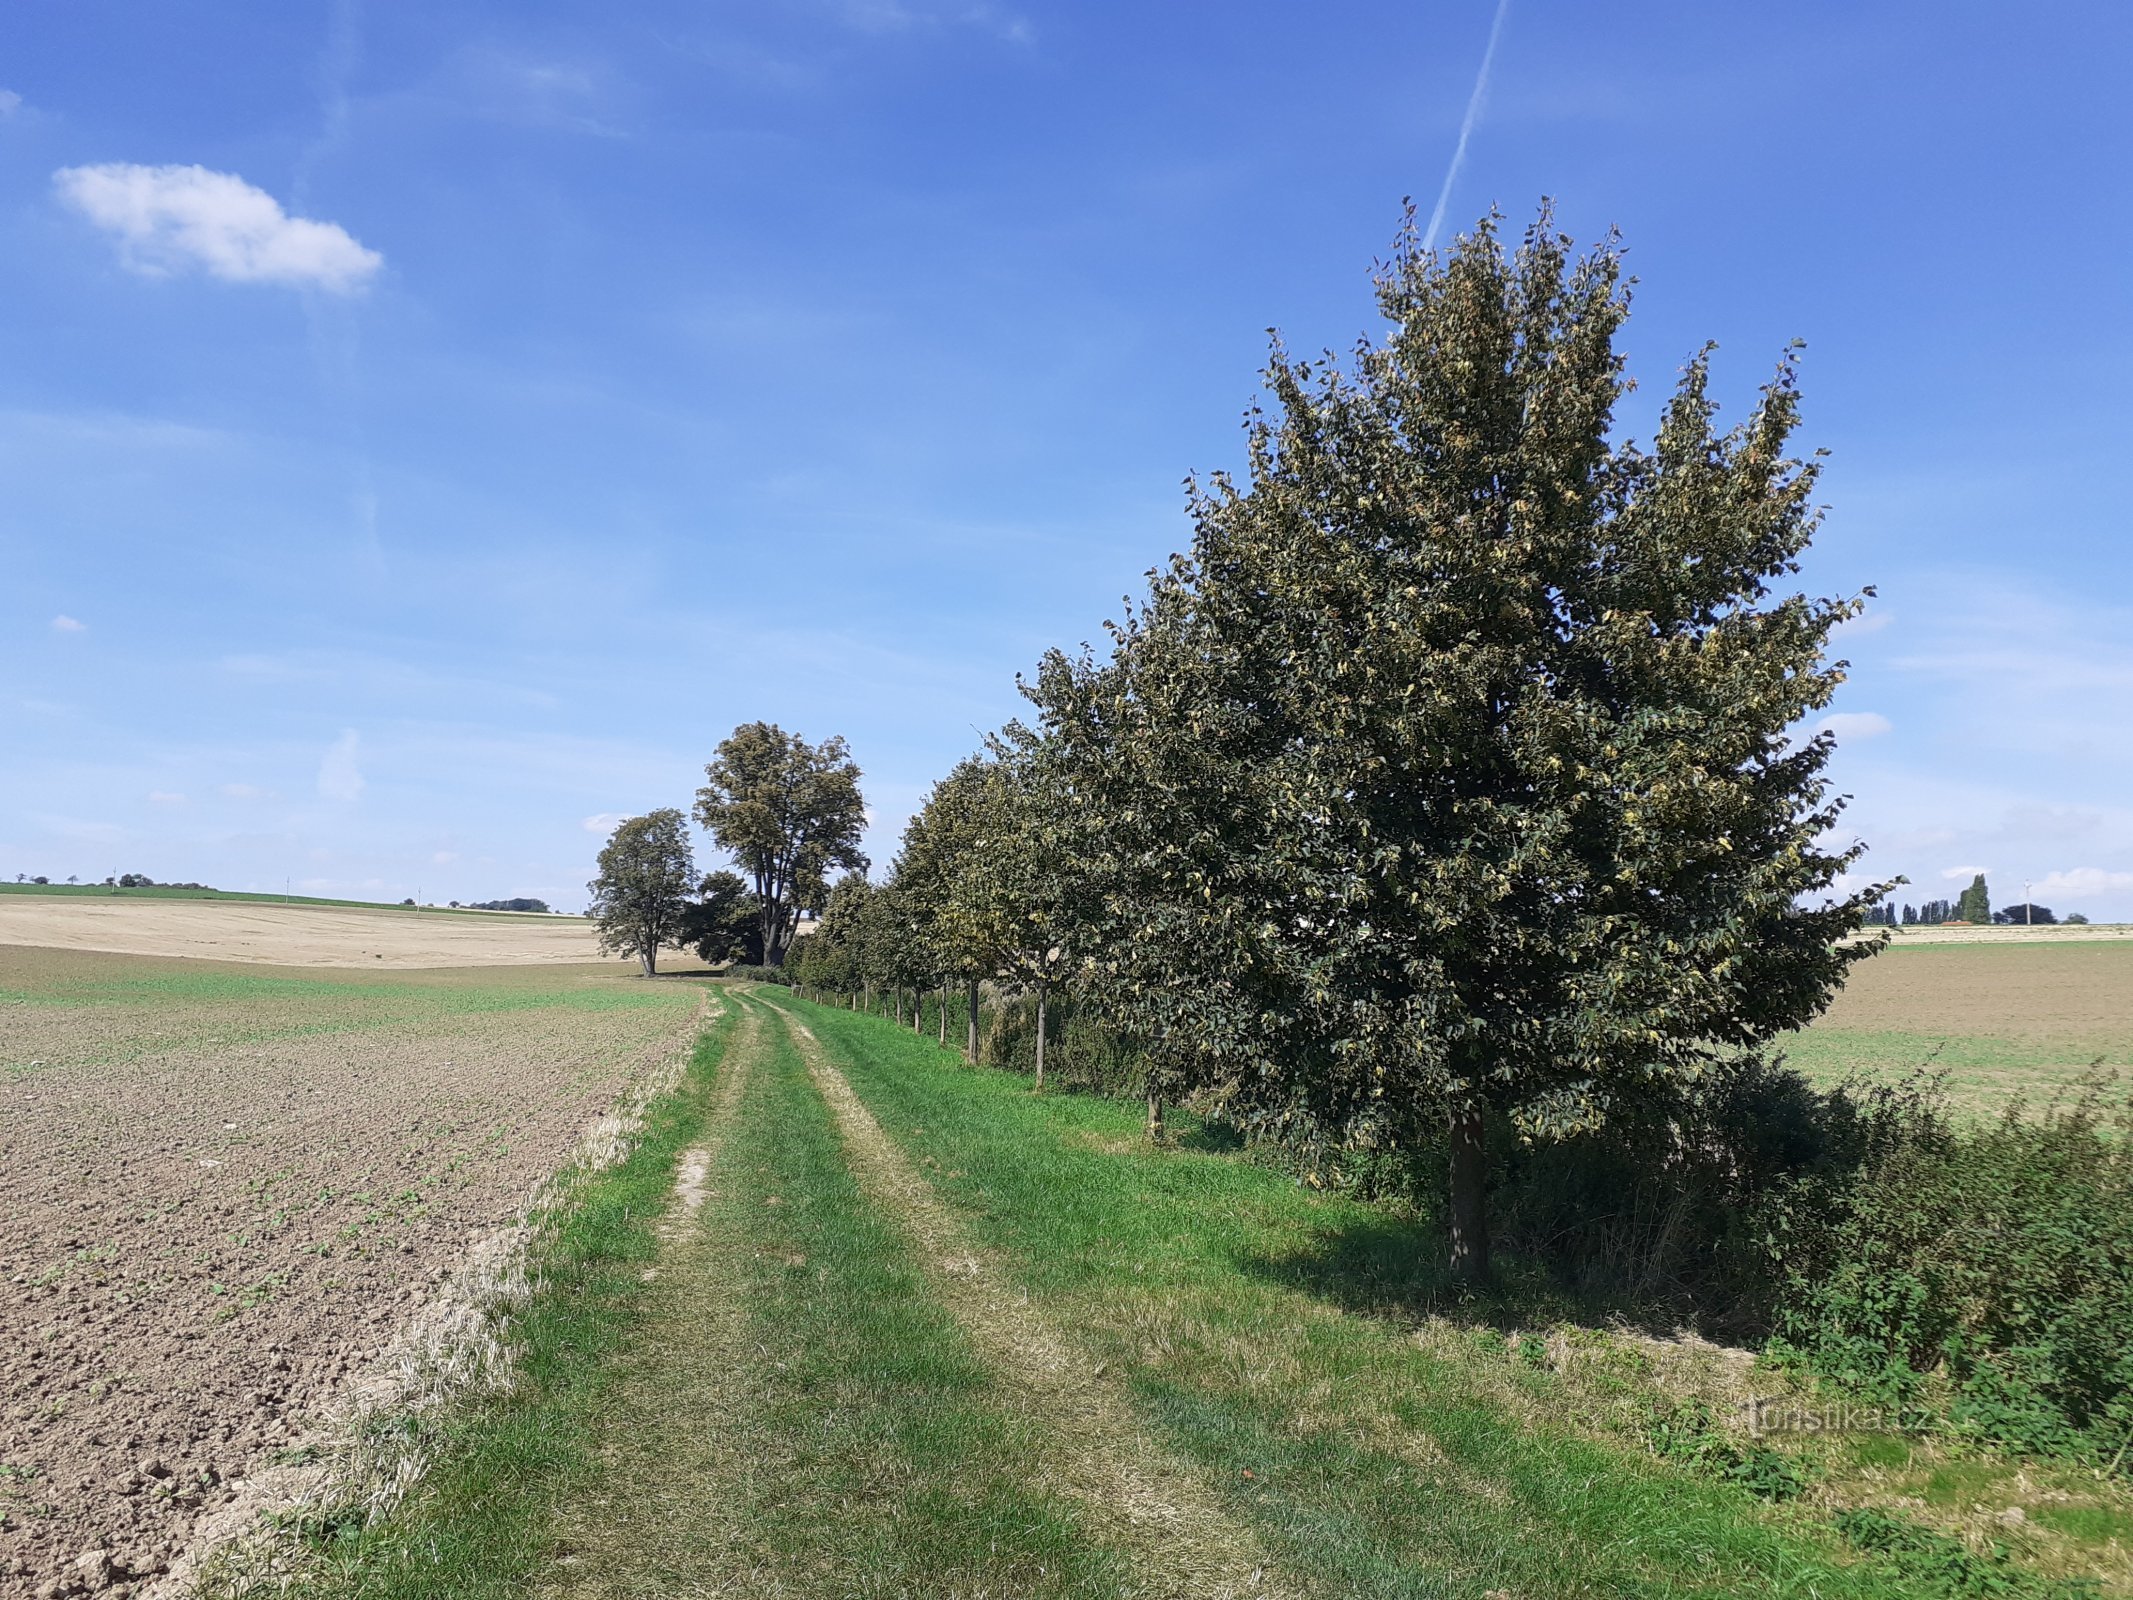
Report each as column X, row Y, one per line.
column 1466, row 124
column 2085, row 883
column 604, row 822
column 1955, row 874
column 10, row 103
column 165, row 797
column 169, row 218
column 896, row 16
column 66, row 624
column 339, row 778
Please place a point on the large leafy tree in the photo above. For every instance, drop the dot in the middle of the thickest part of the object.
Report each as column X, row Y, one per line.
column 1452, row 774
column 641, row 896
column 789, row 813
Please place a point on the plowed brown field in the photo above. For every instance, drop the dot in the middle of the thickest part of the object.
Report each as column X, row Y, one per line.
column 223, row 1188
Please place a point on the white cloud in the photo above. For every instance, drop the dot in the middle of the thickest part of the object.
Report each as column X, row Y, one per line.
column 339, row 778
column 604, row 822
column 245, row 791
column 165, row 797
column 444, row 858
column 66, row 624
column 1953, row 874
column 2084, row 883
column 171, row 217
column 10, row 103
column 1854, row 724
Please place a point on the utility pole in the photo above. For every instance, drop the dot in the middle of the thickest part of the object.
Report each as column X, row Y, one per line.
column 2029, row 912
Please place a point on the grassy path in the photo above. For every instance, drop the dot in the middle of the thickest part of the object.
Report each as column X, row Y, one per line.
column 912, row 1331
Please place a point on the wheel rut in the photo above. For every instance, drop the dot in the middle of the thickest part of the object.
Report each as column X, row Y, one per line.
column 669, row 1447
column 1140, row 1496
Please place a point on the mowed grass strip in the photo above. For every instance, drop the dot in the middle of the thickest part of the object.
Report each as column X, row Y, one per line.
column 1371, row 1460
column 479, row 1524
column 803, row 1417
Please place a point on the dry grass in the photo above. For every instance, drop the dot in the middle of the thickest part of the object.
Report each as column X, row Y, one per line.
column 293, row 935
column 384, row 1430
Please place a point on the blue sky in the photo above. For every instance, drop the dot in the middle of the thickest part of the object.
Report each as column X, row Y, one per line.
column 522, row 396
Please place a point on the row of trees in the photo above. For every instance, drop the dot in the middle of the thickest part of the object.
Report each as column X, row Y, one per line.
column 788, row 812
column 1451, row 777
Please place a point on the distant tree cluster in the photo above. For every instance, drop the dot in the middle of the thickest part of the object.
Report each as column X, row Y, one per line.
column 520, row 904
column 1450, row 780
column 788, row 812
column 2025, row 914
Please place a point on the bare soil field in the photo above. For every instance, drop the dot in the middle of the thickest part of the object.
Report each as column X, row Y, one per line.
column 224, row 1188
column 294, row 935
column 2022, row 1016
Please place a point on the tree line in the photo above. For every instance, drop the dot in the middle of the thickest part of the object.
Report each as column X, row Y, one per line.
column 1452, row 775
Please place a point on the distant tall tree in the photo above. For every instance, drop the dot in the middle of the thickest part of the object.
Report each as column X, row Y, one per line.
column 642, row 892
column 789, row 813
column 1453, row 772
column 1974, row 904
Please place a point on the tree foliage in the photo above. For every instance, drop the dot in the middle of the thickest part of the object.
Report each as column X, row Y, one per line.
column 789, row 813
column 641, row 893
column 724, row 922
column 1452, row 770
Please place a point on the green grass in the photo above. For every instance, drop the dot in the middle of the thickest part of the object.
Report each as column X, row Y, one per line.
column 1380, row 1462
column 83, row 1009
column 805, row 1407
column 1984, row 1073
column 477, row 1526
column 789, row 1407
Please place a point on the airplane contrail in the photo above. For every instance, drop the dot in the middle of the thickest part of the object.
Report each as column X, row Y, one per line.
column 1466, row 124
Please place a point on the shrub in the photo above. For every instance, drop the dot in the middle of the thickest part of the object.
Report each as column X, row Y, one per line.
column 1080, row 1052
column 1996, row 1262
column 777, row 975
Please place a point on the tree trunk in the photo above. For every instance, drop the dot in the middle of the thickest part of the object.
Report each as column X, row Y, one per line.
column 1155, row 1117
column 1040, row 1038
column 649, row 955
column 918, row 1012
column 944, row 1014
column 1470, row 1215
column 899, row 1003
column 970, row 1023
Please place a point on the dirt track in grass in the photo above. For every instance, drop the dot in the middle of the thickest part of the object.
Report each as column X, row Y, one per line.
column 224, row 1189
column 1145, row 1499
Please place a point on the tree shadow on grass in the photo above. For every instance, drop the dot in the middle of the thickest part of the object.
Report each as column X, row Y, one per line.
column 1393, row 1267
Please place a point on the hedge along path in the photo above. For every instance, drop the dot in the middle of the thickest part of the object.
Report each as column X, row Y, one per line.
column 1145, row 1501
column 611, row 1541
